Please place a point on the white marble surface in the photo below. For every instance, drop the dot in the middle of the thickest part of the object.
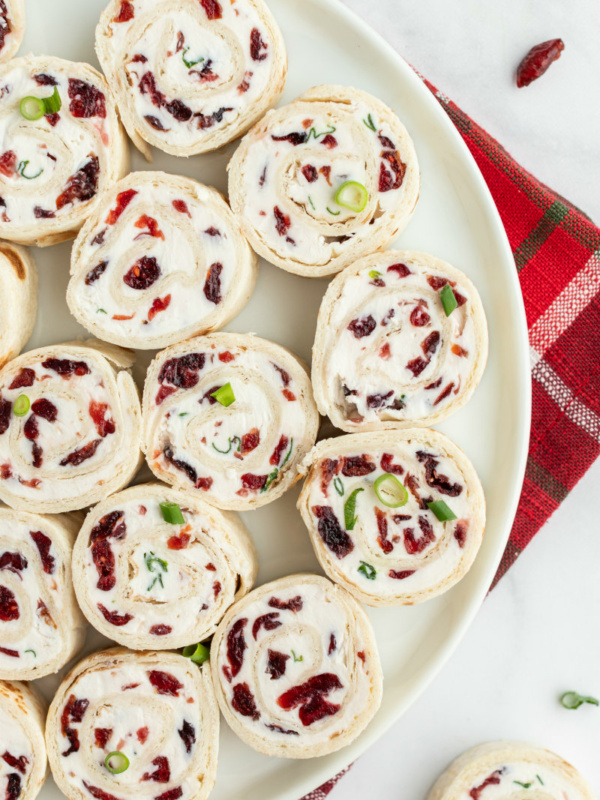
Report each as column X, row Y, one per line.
column 537, row 633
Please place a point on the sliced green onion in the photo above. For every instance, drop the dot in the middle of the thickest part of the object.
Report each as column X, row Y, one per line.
column 172, row 513
column 21, row 170
column 32, row 108
column 189, row 64
column 350, row 517
column 116, row 762
column 297, row 658
column 311, row 202
column 198, row 653
column 390, row 491
column 101, row 311
column 156, row 566
column 441, row 510
column 572, row 700
column 22, row 405
column 368, row 571
column 224, row 395
column 32, row 651
column 53, row 103
column 540, row 780
column 352, row 195
column 369, row 122
column 448, row 299
column 339, row 486
column 335, row 213
column 373, row 274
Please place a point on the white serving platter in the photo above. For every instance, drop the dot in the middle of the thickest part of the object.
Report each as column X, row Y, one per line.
column 456, row 220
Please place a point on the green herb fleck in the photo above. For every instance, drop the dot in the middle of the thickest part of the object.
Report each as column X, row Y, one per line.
column 373, row 274
column 339, row 486
column 350, row 518
column 156, row 566
column 524, row 785
column 231, row 441
column 540, row 780
column 184, row 414
column 448, row 299
column 297, row 658
column 189, row 64
column 311, row 202
column 101, row 311
column 312, row 132
column 276, row 471
column 368, row 571
column 21, row 170
column 335, row 213
column 572, row 700
column 32, row 651
column 369, row 122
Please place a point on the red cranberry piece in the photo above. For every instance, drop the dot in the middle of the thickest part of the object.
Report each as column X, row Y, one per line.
column 276, row 664
column 280, row 449
column 181, row 206
column 443, row 394
column 179, row 110
column 460, row 532
column 155, row 123
column 98, row 794
column 216, row 116
column 413, row 545
column 330, row 531
column 285, row 376
column 30, row 429
column 212, row 285
column 37, row 452
column 357, row 466
column 13, row 562
column 328, row 468
column 113, row 617
column 258, row 48
column 254, row 482
column 282, row 221
column 310, row 173
column 171, row 794
column 143, row 273
column 13, row 781
column 99, row 239
column 183, row 371
column 332, row 644
column 391, row 171
column 97, row 412
column 19, row 763
column 187, row 732
column 417, row 365
column 212, row 8
column 73, row 711
column 5, row 409
column 26, row 377
column 43, row 544
column 294, row 604
column 42, row 213
column 95, row 273
column 52, row 119
column 419, row 317
column 212, row 232
column 82, row 185
column 43, row 79
column 8, row 163
column 80, row 455
column 388, row 466
column 45, row 409
column 9, row 653
column 126, row 12
column 382, row 527
column 236, row 645
column 160, row 630
column 362, row 327
column 292, row 138
column 430, row 344
column 178, row 542
column 243, row 701
column 165, row 683
column 537, row 61
column 279, row 729
column 440, row 482
column 123, row 200
column 101, row 737
column 267, row 621
column 329, row 141
column 310, row 696
column 9, row 608
column 86, row 100
column 250, row 441
column 110, row 526
column 104, row 560
column 183, row 466
column 149, row 227
column 141, row 733
column 491, row 780
column 217, row 589
column 163, row 393
column 162, row 773
column 402, row 575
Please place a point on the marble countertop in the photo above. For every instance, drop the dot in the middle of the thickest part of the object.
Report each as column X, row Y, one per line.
column 537, row 633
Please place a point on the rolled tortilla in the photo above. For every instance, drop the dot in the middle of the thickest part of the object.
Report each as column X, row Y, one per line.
column 285, row 175
column 510, row 769
column 41, row 626
column 161, row 259
column 18, row 287
column 156, row 708
column 240, row 456
column 79, row 438
column 12, row 27
column 385, row 352
column 190, row 76
column 296, row 668
column 146, row 582
column 23, row 763
column 392, row 550
column 54, row 170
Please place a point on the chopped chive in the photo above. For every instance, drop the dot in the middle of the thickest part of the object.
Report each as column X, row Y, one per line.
column 224, row 395
column 352, row 195
column 198, row 653
column 368, row 571
column 540, row 780
column 172, row 513
column 156, row 566
column 101, row 311
column 288, row 454
column 441, row 510
column 572, row 700
column 189, row 64
column 312, row 132
column 224, row 452
column 116, row 762
column 21, row 170
column 350, row 518
column 311, row 202
column 22, row 405
column 448, row 299
column 32, row 651
column 184, row 414
column 272, row 475
column 369, row 122
column 524, row 785
column 335, row 213
column 339, row 486
column 390, row 491
column 297, row 658
column 373, row 274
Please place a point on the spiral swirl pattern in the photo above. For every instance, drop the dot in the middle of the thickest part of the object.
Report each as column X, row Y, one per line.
column 296, row 668
column 392, row 555
column 387, row 354
column 145, row 582
column 239, row 456
column 285, row 175
column 158, row 709
column 12, row 27
column 41, row 626
column 53, row 170
column 73, row 436
column 161, row 260
column 190, row 75
column 498, row 770
column 18, row 287
column 23, row 762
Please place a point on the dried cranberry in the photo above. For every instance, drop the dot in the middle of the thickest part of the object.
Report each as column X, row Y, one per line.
column 382, row 527
column 101, row 737
column 402, row 575
column 310, row 173
column 279, row 729
column 216, row 116
column 419, row 317
column 330, row 531
column 537, row 61
column 282, row 221
column 19, row 763
column 183, row 371
column 243, row 701
column 217, row 589
column 113, row 617
column 412, row 484
column 104, row 426
column 10, row 653
column 13, row 562
column 160, row 630
column 171, row 794
column 417, row 365
column 491, row 780
column 329, row 141
column 362, row 327
column 95, row 273
column 388, row 466
column 435, row 384
column 212, row 8
column 179, row 110
column 276, row 665
column 45, row 409
column 149, row 227
column 126, row 12
column 99, row 238
column 294, row 604
column 441, row 482
column 310, row 696
column 292, row 138
column 25, row 377
column 254, row 482
column 443, row 394
column 13, row 781
column 178, row 542
column 236, row 645
column 250, row 441
column 328, row 468
column 82, row 185
column 162, row 773
column 110, row 526
column 245, row 84
column 165, row 683
column 430, row 344
column 43, row 79
column 378, row 400
column 52, row 119
column 257, row 46
column 5, row 409
column 97, row 793
column 187, row 732
column 123, row 200
column 181, row 206
column 285, row 376
column 143, row 273
column 86, row 100
column 141, row 733
column 104, row 560
column 391, row 171
column 37, row 452
column 155, row 123
column 212, row 285
column 42, row 213
column 77, row 457
column 460, row 532
column 413, row 545
column 30, row 429
column 43, row 544
column 182, row 466
column 267, row 621
column 357, row 466
column 8, row 163
column 9, row 608
column 73, row 711
column 280, row 449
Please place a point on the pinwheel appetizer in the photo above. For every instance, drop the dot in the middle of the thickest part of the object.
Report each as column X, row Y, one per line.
column 23, row 762
column 510, row 769
column 161, row 259
column 69, row 426
column 41, row 626
column 323, row 181
column 157, row 567
column 230, row 415
column 63, row 146
column 12, row 27
column 396, row 517
column 18, row 288
column 296, row 668
column 190, row 75
column 401, row 340
column 133, row 725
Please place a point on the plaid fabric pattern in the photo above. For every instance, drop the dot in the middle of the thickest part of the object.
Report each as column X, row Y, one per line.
column 557, row 255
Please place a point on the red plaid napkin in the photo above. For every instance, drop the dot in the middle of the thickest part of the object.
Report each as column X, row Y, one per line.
column 557, row 255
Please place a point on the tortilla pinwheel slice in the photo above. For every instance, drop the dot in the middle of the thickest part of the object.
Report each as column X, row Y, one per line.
column 62, row 147
column 161, row 259
column 401, row 341
column 296, row 668
column 41, row 626
column 158, row 568
column 69, row 426
column 131, row 725
column 12, row 27
column 325, row 180
column 395, row 517
column 23, row 761
column 190, row 75
column 514, row 770
column 18, row 287
column 230, row 415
